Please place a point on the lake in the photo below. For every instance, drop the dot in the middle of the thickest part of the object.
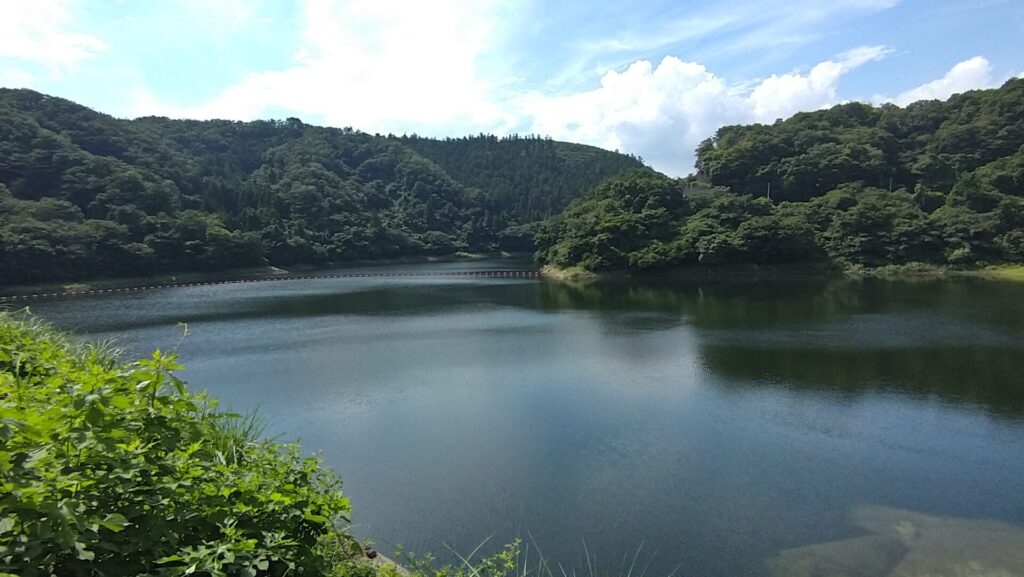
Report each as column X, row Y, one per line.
column 724, row 427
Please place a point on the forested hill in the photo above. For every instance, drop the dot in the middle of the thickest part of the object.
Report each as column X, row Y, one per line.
column 856, row 185
column 83, row 194
column 533, row 177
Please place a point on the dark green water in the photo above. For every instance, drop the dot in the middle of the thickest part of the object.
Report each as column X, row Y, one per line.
column 716, row 422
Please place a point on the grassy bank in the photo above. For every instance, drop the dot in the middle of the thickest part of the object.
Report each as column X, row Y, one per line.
column 1006, row 272
column 579, row 274
column 1010, row 272
column 571, row 274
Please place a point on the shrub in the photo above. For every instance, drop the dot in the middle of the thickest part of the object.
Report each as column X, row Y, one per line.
column 115, row 469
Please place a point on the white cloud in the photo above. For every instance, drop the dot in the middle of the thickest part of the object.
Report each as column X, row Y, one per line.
column 760, row 30
column 39, row 31
column 663, row 112
column 862, row 55
column 378, row 65
column 781, row 96
column 967, row 75
column 672, row 32
column 773, row 25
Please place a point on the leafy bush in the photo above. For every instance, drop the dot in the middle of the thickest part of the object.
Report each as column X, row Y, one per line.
column 108, row 468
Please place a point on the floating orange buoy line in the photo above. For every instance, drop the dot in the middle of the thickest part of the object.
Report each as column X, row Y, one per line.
column 475, row 273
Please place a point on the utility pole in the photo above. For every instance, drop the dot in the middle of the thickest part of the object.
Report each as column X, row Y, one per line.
column 769, row 190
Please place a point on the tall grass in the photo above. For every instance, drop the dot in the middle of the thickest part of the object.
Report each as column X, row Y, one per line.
column 232, row 435
column 525, row 560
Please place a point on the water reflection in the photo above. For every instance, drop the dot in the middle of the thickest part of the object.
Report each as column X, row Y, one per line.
column 761, row 302
column 987, row 377
column 957, row 342
column 285, row 300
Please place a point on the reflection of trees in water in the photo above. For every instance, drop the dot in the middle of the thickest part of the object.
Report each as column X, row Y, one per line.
column 910, row 544
column 794, row 333
column 719, row 303
column 612, row 295
column 774, row 301
column 987, row 376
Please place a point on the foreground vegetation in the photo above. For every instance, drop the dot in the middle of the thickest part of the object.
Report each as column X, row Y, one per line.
column 940, row 184
column 112, row 468
column 85, row 195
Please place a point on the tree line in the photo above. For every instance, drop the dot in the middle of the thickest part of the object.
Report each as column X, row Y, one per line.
column 83, row 194
column 855, row 185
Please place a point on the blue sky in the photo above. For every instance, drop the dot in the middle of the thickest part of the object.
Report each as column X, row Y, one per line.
column 650, row 78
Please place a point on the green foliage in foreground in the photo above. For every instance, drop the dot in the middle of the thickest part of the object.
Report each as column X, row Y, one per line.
column 115, row 469
column 940, row 183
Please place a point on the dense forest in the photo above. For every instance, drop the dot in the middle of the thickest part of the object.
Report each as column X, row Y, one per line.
column 83, row 194
column 534, row 178
column 856, row 185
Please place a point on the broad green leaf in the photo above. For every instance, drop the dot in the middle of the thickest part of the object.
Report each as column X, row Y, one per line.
column 116, row 522
column 315, row 518
column 6, row 524
column 83, row 553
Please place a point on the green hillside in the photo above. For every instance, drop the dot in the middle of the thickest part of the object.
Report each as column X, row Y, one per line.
column 940, row 183
column 83, row 194
column 532, row 177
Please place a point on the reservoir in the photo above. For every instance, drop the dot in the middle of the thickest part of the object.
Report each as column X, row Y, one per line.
column 720, row 426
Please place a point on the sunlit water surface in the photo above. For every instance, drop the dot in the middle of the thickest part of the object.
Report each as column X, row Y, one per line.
column 727, row 425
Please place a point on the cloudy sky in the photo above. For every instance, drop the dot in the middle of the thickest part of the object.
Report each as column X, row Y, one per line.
column 652, row 78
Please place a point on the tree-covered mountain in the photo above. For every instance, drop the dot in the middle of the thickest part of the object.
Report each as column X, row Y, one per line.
column 83, row 194
column 532, row 177
column 935, row 182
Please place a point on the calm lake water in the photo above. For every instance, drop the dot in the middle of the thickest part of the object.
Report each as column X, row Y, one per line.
column 718, row 423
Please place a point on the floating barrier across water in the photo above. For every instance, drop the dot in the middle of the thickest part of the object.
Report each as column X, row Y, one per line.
column 474, row 273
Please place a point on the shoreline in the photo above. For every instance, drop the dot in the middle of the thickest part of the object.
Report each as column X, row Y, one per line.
column 913, row 271
column 577, row 275
column 580, row 275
